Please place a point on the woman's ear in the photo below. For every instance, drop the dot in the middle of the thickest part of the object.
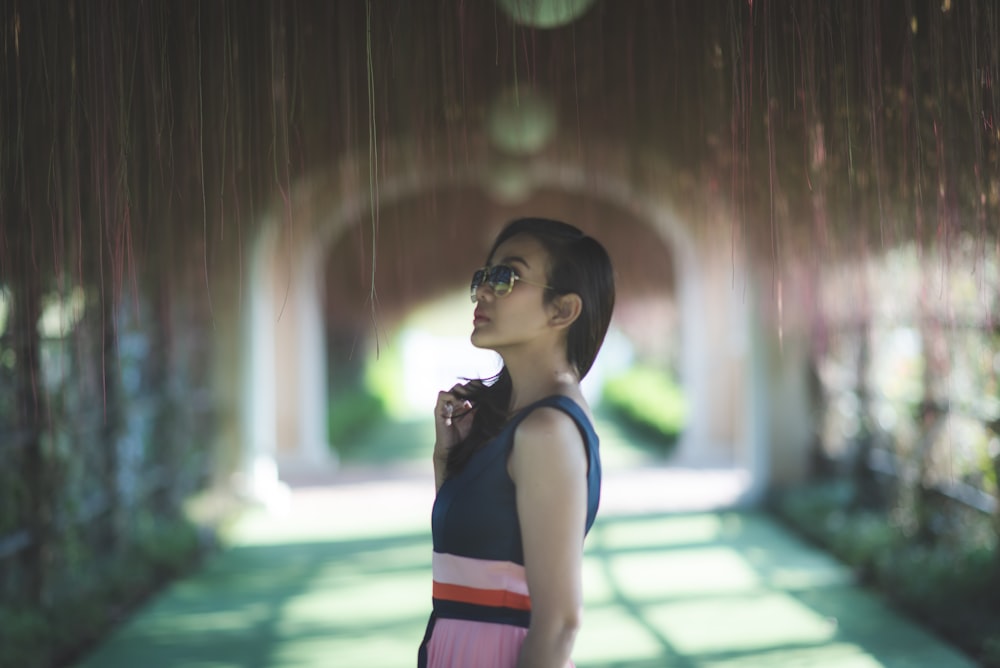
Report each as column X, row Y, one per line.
column 565, row 309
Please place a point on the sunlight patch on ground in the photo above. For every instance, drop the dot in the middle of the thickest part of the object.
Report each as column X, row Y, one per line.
column 752, row 621
column 344, row 579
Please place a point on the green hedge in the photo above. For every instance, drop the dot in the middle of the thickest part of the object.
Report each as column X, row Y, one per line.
column 351, row 412
column 53, row 634
column 649, row 399
column 950, row 585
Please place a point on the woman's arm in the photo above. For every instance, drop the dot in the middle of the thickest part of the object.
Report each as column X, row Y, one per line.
column 549, row 467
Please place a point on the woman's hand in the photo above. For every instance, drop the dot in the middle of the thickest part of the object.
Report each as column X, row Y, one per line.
column 452, row 422
column 452, row 419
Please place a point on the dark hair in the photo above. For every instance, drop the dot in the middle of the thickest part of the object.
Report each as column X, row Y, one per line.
column 578, row 264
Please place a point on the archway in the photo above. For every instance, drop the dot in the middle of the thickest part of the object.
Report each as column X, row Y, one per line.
column 286, row 336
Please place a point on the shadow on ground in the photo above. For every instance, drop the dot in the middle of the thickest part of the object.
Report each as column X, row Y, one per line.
column 705, row 589
column 341, row 578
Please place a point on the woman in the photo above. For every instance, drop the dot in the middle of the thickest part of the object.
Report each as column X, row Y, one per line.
column 516, row 458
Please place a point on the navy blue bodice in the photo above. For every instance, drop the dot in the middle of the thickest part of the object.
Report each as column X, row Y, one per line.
column 475, row 512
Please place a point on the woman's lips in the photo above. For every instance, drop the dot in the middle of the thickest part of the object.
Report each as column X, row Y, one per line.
column 478, row 318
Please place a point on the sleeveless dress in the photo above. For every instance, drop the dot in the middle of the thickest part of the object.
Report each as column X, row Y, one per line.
column 482, row 607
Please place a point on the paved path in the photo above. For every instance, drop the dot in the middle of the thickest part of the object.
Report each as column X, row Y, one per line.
column 341, row 578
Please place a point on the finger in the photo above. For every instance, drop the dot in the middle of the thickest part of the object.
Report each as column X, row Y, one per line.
column 445, row 399
column 464, row 411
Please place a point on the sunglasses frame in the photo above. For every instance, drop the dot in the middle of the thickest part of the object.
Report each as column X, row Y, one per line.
column 488, row 270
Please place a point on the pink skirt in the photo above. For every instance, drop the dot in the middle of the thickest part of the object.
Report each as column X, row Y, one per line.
column 458, row 643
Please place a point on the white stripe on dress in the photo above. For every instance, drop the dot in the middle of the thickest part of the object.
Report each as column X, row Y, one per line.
column 479, row 573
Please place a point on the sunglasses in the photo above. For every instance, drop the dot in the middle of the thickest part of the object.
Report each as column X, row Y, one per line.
column 500, row 278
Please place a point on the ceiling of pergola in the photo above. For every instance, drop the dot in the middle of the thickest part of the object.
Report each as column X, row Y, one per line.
column 151, row 134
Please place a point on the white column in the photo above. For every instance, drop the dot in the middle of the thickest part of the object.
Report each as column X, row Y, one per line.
column 258, row 477
column 312, row 452
column 694, row 358
column 758, row 388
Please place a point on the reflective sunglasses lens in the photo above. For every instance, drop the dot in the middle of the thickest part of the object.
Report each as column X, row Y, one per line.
column 501, row 279
column 477, row 280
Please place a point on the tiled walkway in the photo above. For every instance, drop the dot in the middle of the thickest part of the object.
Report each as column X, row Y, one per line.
column 342, row 578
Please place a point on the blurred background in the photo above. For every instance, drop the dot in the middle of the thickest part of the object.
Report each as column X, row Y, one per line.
column 236, row 238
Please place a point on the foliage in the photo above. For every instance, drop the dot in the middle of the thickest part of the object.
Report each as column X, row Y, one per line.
column 649, row 399
column 53, row 634
column 916, row 374
column 381, row 377
column 166, row 547
column 22, row 635
column 949, row 584
column 991, row 650
column 351, row 412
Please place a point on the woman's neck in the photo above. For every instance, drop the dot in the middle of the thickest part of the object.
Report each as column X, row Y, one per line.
column 533, row 379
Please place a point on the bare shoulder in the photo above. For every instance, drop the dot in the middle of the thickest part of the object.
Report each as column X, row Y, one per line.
column 547, row 438
column 546, row 423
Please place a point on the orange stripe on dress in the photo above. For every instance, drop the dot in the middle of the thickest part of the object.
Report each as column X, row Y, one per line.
column 497, row 598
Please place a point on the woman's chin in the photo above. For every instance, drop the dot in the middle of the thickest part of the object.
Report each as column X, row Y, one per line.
column 480, row 340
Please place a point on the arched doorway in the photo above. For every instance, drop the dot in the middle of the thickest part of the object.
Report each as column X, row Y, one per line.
column 285, row 410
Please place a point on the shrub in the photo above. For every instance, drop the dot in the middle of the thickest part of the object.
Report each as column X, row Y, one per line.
column 55, row 633
column 949, row 584
column 649, row 399
column 991, row 650
column 22, row 633
column 351, row 412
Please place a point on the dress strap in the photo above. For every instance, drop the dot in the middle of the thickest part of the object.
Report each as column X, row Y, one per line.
column 564, row 404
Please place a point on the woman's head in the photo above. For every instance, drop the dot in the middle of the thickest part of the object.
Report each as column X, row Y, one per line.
column 575, row 264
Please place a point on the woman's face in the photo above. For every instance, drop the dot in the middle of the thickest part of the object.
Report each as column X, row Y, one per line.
column 520, row 316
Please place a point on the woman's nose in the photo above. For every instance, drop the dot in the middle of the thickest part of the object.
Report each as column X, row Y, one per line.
column 483, row 289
